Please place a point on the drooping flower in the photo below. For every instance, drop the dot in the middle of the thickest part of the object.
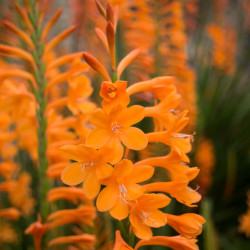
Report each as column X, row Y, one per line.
column 188, row 225
column 174, row 242
column 84, row 240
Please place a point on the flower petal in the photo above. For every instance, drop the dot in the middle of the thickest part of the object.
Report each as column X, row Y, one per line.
column 98, row 137
column 132, row 115
column 91, row 186
column 120, row 210
column 123, row 168
column 107, row 198
column 99, row 118
column 134, row 138
column 141, row 173
column 156, row 219
column 141, row 230
column 154, row 201
column 103, row 171
column 117, row 149
column 134, row 191
column 81, row 153
column 73, row 174
column 107, row 154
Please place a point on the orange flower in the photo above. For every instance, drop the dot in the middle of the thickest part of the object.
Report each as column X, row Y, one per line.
column 71, row 194
column 144, row 214
column 82, row 214
column 178, row 189
column 11, row 213
column 180, row 143
column 188, row 225
column 115, row 127
column 80, row 90
column 7, row 169
column 174, row 242
column 159, row 86
column 113, row 93
column 86, row 240
column 8, row 235
column 37, row 229
column 172, row 163
column 91, row 166
column 120, row 244
column 20, row 194
column 121, row 187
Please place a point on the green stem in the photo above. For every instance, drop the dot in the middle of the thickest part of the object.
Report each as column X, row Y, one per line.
column 114, row 76
column 39, row 74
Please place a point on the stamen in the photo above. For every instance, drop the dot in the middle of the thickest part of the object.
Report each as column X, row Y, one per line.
column 80, row 99
column 115, row 128
column 89, row 164
column 123, row 190
column 145, row 216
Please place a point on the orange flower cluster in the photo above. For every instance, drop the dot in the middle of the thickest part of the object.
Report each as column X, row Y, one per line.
column 36, row 106
column 163, row 44
column 223, row 53
column 138, row 31
column 14, row 125
column 101, row 161
column 172, row 51
column 245, row 219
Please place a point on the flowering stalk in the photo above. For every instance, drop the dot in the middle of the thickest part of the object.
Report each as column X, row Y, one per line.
column 39, row 74
column 102, row 160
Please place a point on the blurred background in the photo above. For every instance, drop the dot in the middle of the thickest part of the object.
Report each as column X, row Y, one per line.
column 206, row 46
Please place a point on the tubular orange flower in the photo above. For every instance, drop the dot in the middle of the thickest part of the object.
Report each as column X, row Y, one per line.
column 114, row 93
column 83, row 214
column 115, row 127
column 180, row 143
column 172, row 163
column 177, row 189
column 175, row 242
column 37, row 229
column 120, row 244
column 121, row 187
column 71, row 194
column 10, row 213
column 91, row 166
column 86, row 240
column 188, row 225
column 144, row 214
column 80, row 90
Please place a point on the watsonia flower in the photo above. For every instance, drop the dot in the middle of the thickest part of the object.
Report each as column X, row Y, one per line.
column 123, row 195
